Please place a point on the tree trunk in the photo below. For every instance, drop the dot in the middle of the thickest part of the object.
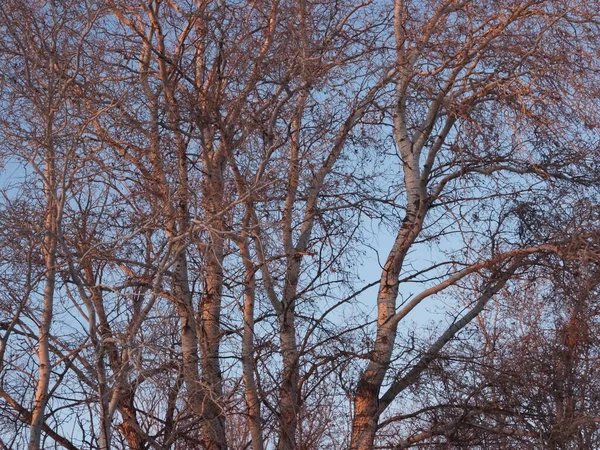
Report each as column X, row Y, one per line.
column 366, row 400
column 210, row 307
column 289, row 394
column 248, row 362
column 43, row 353
column 49, row 251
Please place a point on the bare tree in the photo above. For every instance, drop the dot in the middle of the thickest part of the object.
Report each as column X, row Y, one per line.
column 42, row 58
column 191, row 188
column 475, row 99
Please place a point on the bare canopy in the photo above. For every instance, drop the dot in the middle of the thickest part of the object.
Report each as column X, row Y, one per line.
column 299, row 224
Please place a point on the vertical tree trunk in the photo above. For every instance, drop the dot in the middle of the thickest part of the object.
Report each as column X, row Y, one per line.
column 366, row 401
column 49, row 251
column 210, row 313
column 133, row 438
column 189, row 339
column 289, row 395
column 43, row 352
column 248, row 362
column 209, row 352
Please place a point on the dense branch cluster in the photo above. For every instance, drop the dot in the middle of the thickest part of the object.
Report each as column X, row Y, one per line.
column 222, row 224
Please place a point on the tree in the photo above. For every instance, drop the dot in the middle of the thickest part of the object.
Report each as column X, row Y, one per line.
column 41, row 131
column 206, row 177
column 476, row 110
